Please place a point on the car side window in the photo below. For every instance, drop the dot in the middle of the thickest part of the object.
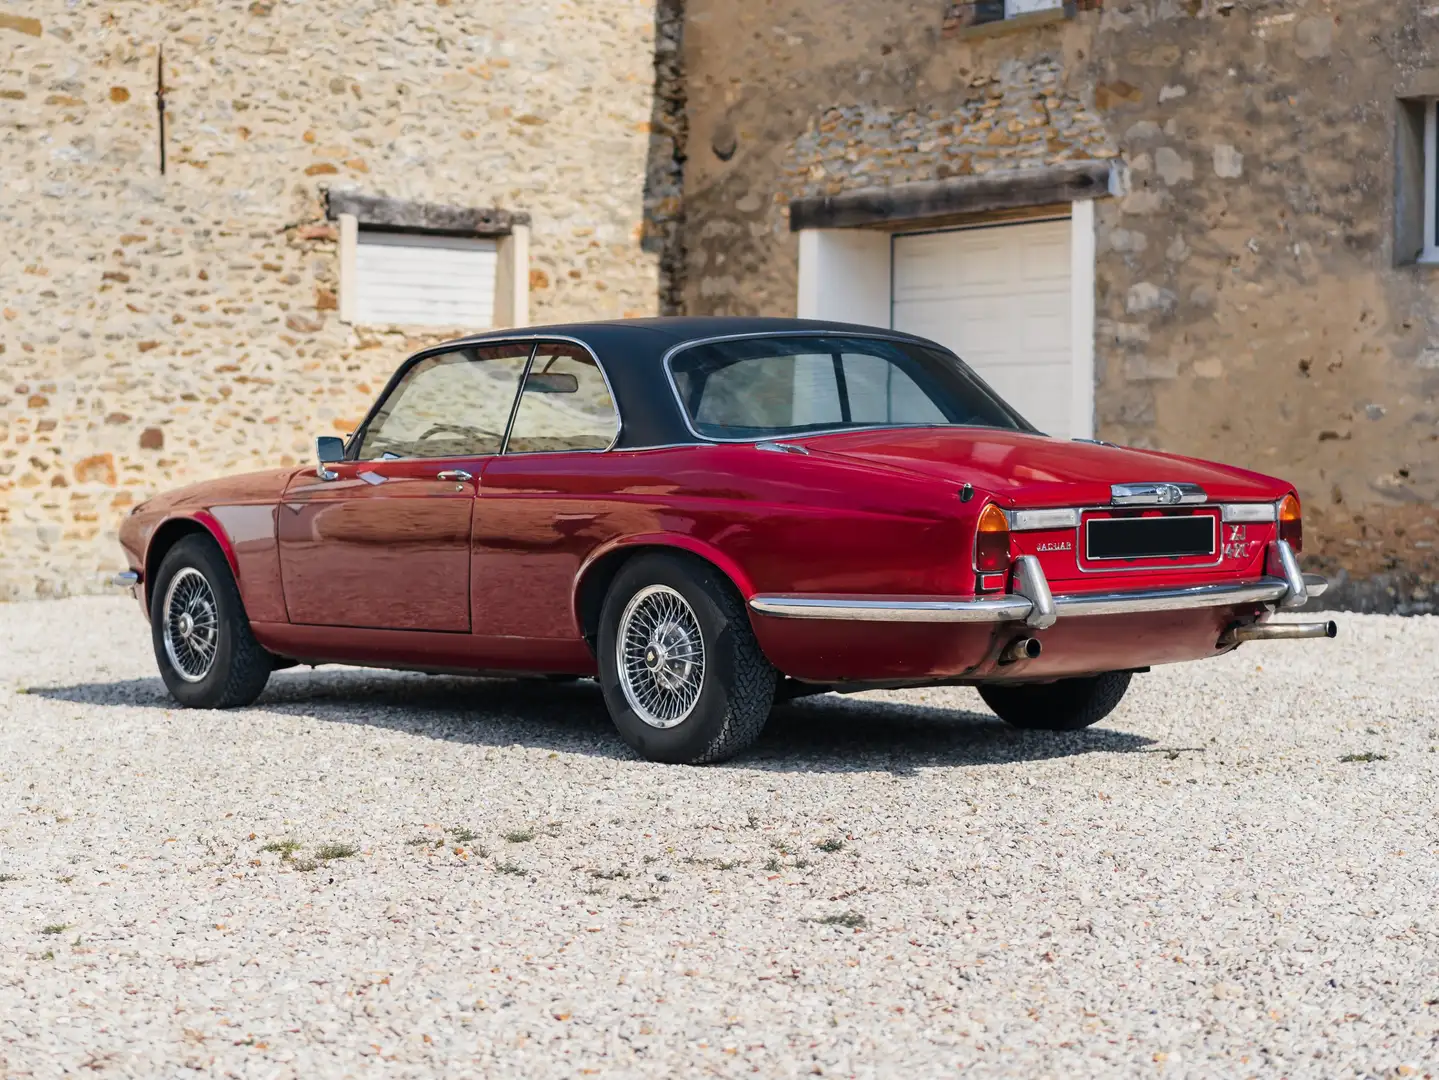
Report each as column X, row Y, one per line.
column 565, row 405
column 452, row 405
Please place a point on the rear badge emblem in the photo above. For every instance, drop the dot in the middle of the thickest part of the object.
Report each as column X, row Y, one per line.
column 1058, row 545
column 1169, row 495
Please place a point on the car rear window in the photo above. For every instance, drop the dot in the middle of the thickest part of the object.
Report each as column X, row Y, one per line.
column 763, row 387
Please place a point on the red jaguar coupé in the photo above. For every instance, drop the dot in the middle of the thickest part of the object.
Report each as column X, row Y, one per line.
column 707, row 514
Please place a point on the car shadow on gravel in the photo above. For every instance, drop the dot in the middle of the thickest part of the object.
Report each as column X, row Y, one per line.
column 823, row 733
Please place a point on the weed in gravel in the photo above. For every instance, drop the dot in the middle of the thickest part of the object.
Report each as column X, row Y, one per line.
column 610, row 875
column 850, row 920
column 48, row 954
column 55, row 928
column 830, row 846
column 726, row 864
column 284, row 848
column 16, row 877
column 638, row 899
column 326, row 852
column 463, row 835
column 780, row 846
column 751, row 820
column 421, row 841
column 304, row 865
column 801, row 864
column 520, row 836
column 1363, row 759
column 648, row 859
column 511, row 868
column 66, row 879
column 773, row 865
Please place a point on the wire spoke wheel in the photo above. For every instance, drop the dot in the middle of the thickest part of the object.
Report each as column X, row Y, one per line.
column 191, row 625
column 660, row 653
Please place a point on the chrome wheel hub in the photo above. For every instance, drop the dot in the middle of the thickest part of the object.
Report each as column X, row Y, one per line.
column 190, row 625
column 661, row 656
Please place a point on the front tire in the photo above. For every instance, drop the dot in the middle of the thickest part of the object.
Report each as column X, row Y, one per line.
column 1066, row 705
column 207, row 653
column 682, row 674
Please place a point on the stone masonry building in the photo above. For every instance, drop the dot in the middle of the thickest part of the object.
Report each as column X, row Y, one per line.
column 1208, row 226
column 1215, row 215
column 164, row 326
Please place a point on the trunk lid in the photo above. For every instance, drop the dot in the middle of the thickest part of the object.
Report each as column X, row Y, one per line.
column 1035, row 471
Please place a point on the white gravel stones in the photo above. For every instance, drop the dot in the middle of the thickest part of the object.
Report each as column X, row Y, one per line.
column 1199, row 887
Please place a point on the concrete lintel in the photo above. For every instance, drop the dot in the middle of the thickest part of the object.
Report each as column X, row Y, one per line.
column 905, row 203
column 404, row 215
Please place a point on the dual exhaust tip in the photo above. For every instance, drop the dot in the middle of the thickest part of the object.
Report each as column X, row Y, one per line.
column 1028, row 648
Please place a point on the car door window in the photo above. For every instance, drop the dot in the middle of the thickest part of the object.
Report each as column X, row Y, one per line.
column 452, row 405
column 565, row 405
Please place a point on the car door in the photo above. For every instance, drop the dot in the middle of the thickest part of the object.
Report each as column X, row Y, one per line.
column 381, row 540
column 542, row 507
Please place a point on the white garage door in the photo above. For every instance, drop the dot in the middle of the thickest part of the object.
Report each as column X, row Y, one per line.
column 419, row 280
column 1000, row 298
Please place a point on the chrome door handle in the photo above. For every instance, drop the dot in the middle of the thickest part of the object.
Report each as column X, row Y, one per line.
column 454, row 474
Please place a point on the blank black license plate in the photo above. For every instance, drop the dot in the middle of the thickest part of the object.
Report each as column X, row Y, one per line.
column 1149, row 538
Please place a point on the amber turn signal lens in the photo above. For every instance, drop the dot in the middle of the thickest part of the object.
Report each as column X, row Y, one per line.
column 1291, row 523
column 991, row 545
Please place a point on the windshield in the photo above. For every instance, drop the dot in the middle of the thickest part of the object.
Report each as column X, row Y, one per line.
column 763, row 387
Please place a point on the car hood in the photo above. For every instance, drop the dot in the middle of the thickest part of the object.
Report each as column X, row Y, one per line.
column 1020, row 469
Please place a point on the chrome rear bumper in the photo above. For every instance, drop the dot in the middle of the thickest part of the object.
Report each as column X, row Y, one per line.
column 1032, row 602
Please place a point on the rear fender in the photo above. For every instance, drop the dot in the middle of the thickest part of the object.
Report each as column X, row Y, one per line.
column 609, row 555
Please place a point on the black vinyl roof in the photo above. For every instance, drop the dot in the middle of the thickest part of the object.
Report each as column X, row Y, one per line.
column 631, row 352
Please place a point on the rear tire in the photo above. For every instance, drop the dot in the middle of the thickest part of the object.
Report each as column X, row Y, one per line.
column 207, row 653
column 682, row 674
column 1066, row 705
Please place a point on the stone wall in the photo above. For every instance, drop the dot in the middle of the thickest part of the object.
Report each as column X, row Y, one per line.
column 1251, row 309
column 156, row 330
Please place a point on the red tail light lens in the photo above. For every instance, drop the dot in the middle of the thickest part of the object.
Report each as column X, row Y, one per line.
column 991, row 544
column 1291, row 523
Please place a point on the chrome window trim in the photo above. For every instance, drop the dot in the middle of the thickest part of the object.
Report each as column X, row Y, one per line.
column 863, row 335
column 1250, row 513
column 443, row 349
column 540, row 339
column 482, row 342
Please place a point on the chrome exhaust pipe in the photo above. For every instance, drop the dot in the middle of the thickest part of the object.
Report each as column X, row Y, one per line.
column 1025, row 648
column 1237, row 635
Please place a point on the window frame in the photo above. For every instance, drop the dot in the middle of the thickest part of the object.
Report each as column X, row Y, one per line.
column 356, row 437
column 1025, row 427
column 540, row 342
column 1430, row 253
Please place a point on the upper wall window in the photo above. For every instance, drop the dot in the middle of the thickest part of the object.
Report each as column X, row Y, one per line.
column 1416, row 183
column 979, row 12
column 410, row 279
column 1430, row 251
column 406, row 263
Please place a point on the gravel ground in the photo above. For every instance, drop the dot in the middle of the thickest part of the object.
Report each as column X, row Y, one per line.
column 1205, row 885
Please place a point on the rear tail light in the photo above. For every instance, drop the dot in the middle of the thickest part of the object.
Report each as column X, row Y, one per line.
column 1291, row 522
column 991, row 544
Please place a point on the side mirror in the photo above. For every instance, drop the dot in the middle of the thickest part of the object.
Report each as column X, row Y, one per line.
column 328, row 449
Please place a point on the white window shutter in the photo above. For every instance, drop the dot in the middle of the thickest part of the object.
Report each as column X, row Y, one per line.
column 412, row 279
